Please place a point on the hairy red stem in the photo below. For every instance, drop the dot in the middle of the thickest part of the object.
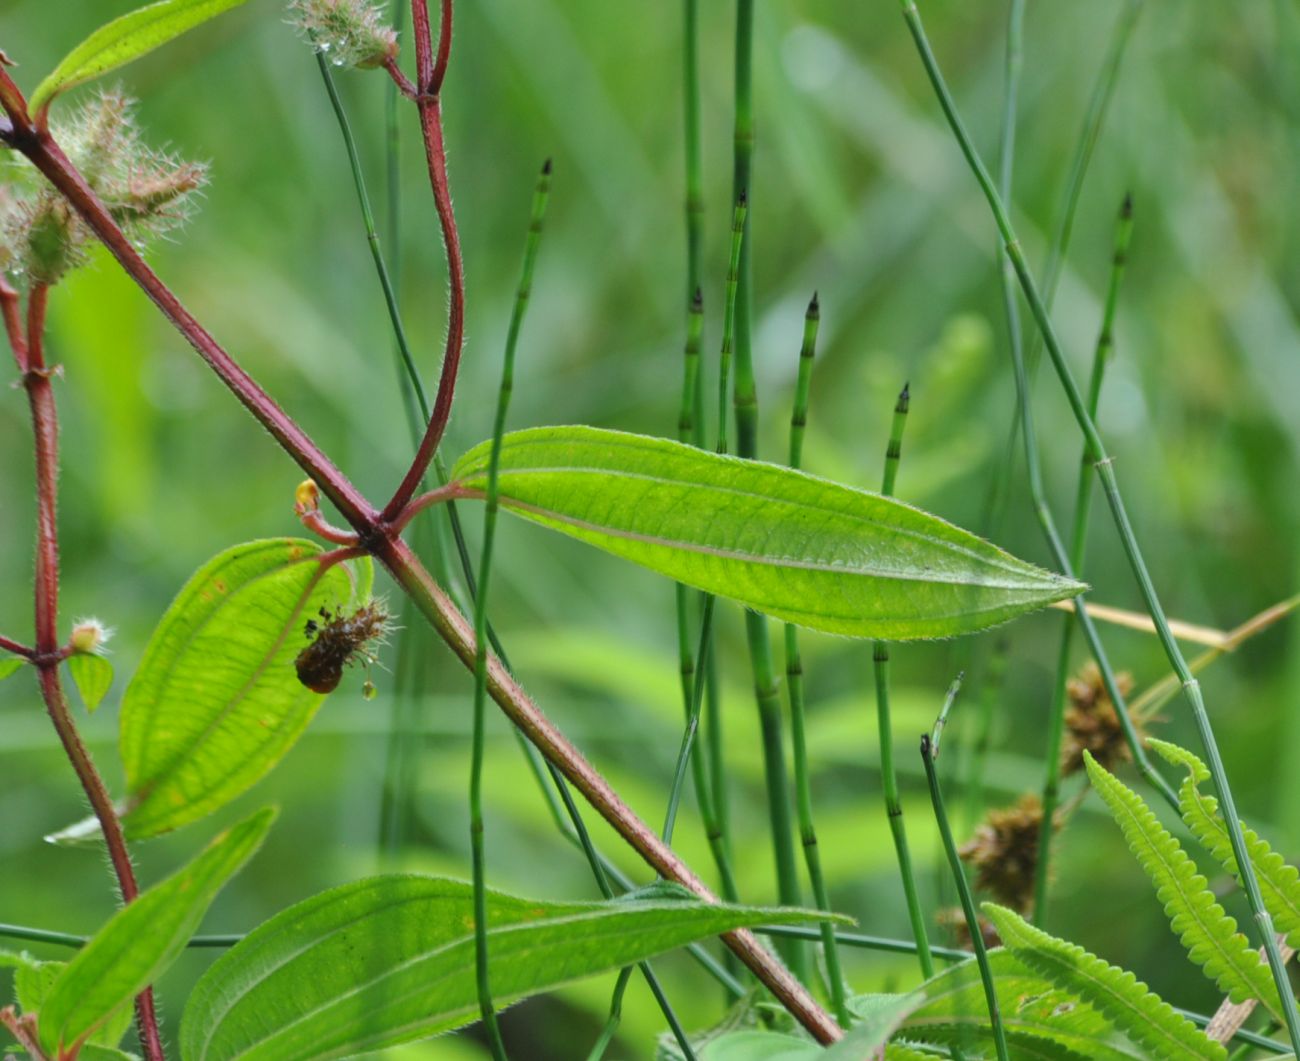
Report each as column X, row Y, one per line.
column 48, row 654
column 431, row 127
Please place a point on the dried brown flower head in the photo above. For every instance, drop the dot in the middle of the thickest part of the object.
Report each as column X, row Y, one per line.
column 1004, row 852
column 1091, row 722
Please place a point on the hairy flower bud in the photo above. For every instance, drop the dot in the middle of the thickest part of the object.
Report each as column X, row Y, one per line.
column 348, row 32
column 89, row 636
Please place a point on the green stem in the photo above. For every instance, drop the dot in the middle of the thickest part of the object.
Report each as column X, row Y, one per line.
column 766, row 692
column 795, row 690
column 490, row 512
column 884, row 724
column 1078, row 546
column 1096, row 452
column 929, row 750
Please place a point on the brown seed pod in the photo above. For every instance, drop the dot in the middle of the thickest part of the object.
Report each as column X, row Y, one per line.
column 338, row 641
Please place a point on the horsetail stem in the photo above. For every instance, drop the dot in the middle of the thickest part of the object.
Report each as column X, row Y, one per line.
column 1096, row 452
column 929, row 752
column 884, row 724
column 1078, row 545
column 490, row 513
column 794, row 686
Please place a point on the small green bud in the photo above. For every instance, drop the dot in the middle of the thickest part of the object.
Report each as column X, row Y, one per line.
column 89, row 636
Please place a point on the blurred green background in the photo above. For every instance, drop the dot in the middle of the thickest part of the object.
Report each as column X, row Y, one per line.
column 858, row 193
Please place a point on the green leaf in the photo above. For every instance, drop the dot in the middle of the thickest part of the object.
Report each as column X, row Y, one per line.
column 142, row 939
column 1279, row 882
column 33, row 981
column 1040, row 1020
column 1115, row 993
column 802, row 549
column 123, row 40
column 10, row 665
column 752, row 1045
column 1209, row 935
column 92, row 676
column 390, row 959
column 216, row 701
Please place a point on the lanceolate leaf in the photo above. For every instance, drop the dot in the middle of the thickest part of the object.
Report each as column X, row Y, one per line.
column 1116, row 993
column 92, row 675
column 782, row 542
column 33, row 981
column 1209, row 934
column 391, row 959
column 124, row 39
column 142, row 939
column 10, row 665
column 1279, row 882
column 216, row 701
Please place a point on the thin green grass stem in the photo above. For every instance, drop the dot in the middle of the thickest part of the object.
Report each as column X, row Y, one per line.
column 885, row 726
column 1078, row 547
column 929, row 751
column 795, row 691
column 490, row 513
column 1098, row 455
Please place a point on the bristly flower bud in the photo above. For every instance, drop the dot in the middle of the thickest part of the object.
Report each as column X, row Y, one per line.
column 347, row 32
column 89, row 636
column 147, row 192
column 1004, row 852
column 1092, row 723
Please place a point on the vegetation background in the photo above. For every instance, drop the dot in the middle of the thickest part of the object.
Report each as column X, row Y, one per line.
column 860, row 193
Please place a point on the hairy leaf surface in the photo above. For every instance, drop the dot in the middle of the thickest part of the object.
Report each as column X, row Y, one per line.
column 1116, row 993
column 390, row 959
column 92, row 676
column 142, row 939
column 216, row 702
column 783, row 542
column 1206, row 931
column 125, row 39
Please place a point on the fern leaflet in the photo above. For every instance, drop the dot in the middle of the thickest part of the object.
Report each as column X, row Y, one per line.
column 1209, row 935
column 1115, row 993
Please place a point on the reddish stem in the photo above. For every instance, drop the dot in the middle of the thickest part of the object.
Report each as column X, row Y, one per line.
column 450, row 492
column 13, row 322
column 17, row 649
column 404, row 84
column 48, row 653
column 435, row 151
column 423, row 43
column 434, row 85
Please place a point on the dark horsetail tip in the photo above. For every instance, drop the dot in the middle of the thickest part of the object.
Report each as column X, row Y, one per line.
column 904, row 398
column 743, row 198
column 814, row 307
column 1126, row 210
column 546, row 168
column 697, row 301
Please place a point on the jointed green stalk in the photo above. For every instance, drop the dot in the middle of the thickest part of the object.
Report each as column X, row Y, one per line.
column 1096, row 452
column 794, row 688
column 491, row 507
column 888, row 772
column 929, row 751
column 1078, row 545
column 766, row 691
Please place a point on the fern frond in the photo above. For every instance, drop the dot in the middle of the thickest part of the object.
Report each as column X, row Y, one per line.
column 1209, row 935
column 1042, row 1022
column 1114, row 992
column 1279, row 882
